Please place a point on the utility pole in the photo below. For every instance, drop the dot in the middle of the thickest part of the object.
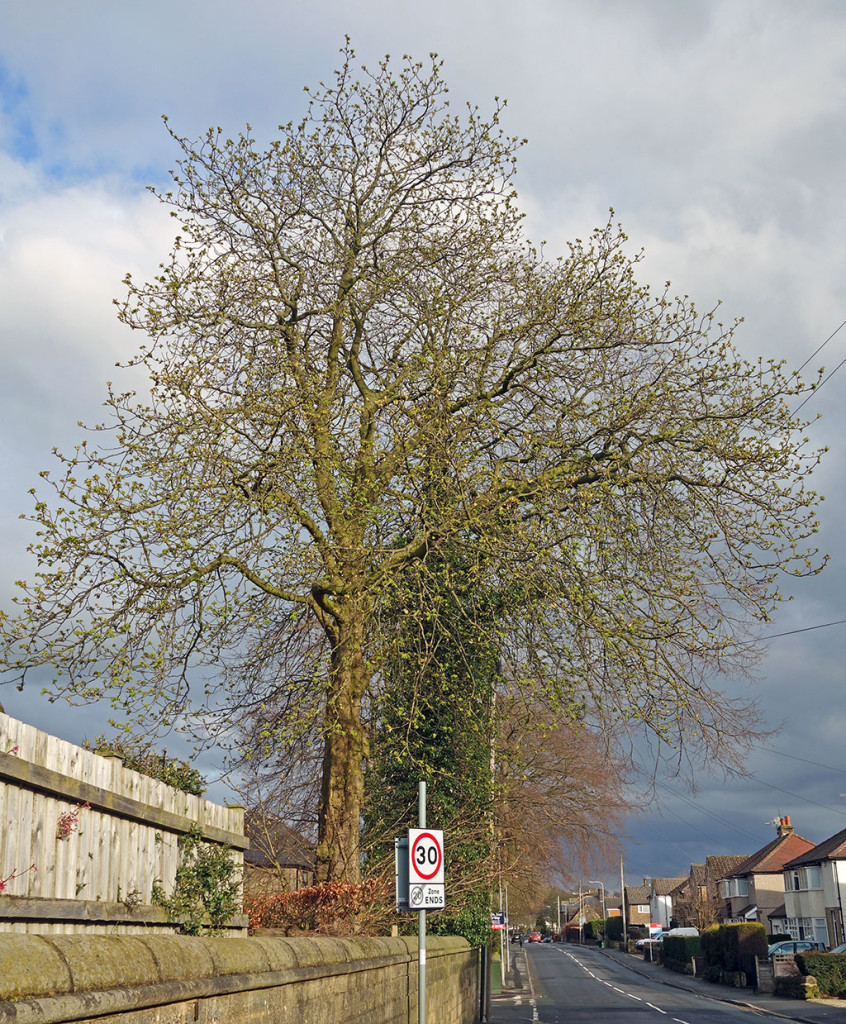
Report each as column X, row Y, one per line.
column 623, row 903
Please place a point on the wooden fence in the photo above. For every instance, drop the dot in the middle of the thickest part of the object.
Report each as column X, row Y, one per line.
column 83, row 839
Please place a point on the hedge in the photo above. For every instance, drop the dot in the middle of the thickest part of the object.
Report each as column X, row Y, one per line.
column 828, row 969
column 678, row 950
column 614, row 928
column 733, row 947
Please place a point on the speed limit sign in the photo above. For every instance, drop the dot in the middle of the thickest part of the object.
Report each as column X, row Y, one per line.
column 425, row 856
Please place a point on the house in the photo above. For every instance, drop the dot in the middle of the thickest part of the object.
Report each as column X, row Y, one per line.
column 661, row 899
column 279, row 858
column 692, row 904
column 754, row 890
column 815, row 890
column 637, row 905
column 717, row 867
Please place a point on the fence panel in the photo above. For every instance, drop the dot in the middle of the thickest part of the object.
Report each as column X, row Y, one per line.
column 84, row 839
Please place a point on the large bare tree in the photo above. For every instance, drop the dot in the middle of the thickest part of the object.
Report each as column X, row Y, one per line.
column 355, row 359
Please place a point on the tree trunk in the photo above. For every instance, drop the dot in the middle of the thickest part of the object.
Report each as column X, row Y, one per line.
column 337, row 857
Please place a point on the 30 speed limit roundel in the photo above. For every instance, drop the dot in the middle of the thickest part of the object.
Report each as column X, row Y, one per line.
column 426, row 856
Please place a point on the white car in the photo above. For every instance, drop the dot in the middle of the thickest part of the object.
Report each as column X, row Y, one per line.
column 653, row 940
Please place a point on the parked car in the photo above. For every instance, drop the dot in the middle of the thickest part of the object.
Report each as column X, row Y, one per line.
column 516, row 937
column 792, row 946
column 546, row 938
column 534, row 936
column 654, row 940
column 839, row 949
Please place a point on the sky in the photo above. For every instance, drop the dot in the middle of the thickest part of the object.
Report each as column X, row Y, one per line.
column 714, row 128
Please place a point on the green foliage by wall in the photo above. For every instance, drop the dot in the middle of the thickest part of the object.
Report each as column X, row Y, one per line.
column 828, row 969
column 437, row 726
column 734, row 946
column 678, row 950
column 140, row 756
column 207, row 892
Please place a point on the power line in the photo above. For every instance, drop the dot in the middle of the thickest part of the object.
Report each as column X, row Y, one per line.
column 827, row 340
column 704, row 810
column 828, row 376
column 796, row 796
column 805, row 760
column 789, row 632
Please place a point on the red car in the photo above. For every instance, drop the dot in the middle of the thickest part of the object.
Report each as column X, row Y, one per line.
column 534, row 936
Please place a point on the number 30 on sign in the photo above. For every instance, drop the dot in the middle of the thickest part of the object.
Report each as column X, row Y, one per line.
column 426, row 856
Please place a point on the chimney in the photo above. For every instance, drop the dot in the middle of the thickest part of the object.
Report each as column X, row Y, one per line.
column 784, row 826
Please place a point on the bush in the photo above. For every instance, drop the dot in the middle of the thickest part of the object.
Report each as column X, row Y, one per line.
column 638, row 931
column 207, row 893
column 779, row 937
column 829, row 970
column 733, row 947
column 336, row 908
column 678, row 950
column 614, row 928
column 141, row 757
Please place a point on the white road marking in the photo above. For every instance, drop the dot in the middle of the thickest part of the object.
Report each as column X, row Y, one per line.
column 621, row 991
column 678, row 1020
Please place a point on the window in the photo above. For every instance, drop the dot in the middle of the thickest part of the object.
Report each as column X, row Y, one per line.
column 643, row 908
column 798, row 879
column 734, row 887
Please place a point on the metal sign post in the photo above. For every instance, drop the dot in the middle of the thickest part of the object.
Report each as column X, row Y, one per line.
column 421, row 918
column 419, row 879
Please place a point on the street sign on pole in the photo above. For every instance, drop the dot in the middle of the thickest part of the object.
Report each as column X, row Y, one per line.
column 426, row 890
column 497, row 920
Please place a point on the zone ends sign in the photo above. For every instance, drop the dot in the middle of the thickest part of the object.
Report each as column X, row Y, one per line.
column 426, row 869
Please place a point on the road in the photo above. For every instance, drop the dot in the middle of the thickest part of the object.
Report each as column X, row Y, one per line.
column 578, row 985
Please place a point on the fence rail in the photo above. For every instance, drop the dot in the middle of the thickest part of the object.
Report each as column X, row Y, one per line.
column 83, row 839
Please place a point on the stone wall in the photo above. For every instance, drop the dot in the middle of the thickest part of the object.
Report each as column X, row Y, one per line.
column 171, row 979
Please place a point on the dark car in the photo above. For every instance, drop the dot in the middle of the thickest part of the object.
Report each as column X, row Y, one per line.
column 789, row 947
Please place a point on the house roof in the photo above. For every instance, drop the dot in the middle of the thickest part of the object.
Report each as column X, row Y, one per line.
column 833, row 848
column 665, row 886
column 637, row 893
column 778, row 912
column 273, row 843
column 698, row 874
column 724, row 865
column 771, row 858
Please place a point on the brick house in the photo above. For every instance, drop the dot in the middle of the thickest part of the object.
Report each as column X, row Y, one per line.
column 754, row 890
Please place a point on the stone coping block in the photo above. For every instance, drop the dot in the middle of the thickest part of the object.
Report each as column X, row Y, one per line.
column 41, row 966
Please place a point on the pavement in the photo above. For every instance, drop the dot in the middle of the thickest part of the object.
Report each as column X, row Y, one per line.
column 810, row 1011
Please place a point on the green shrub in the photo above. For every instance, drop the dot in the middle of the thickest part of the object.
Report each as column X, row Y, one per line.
column 733, row 947
column 779, row 937
column 711, row 941
column 207, row 892
column 614, row 928
column 678, row 950
column 829, row 970
column 141, row 757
